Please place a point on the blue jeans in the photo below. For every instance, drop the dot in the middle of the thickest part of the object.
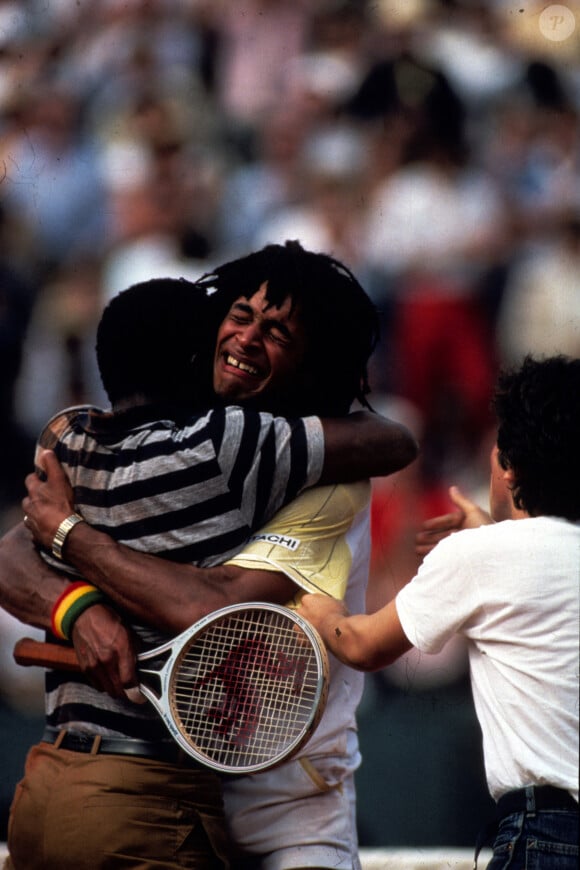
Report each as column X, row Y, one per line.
column 536, row 839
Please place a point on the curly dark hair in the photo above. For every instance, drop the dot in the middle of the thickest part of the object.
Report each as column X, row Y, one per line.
column 147, row 338
column 158, row 337
column 340, row 321
column 538, row 411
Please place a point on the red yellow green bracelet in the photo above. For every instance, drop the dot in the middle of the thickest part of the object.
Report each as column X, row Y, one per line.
column 68, row 607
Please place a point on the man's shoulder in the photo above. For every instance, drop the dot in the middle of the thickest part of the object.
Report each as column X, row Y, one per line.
column 266, row 418
column 249, row 424
column 509, row 534
column 325, row 506
column 321, row 510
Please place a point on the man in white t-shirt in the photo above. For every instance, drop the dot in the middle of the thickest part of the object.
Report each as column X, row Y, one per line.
column 508, row 582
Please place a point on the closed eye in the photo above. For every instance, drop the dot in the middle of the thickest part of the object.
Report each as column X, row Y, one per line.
column 238, row 317
column 278, row 333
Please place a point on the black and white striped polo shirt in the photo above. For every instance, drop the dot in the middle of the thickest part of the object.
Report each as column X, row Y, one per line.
column 189, row 490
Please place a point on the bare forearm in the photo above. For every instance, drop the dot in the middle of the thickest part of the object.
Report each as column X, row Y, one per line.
column 28, row 586
column 365, row 642
column 165, row 594
column 154, row 591
column 345, row 636
column 358, row 641
column 365, row 445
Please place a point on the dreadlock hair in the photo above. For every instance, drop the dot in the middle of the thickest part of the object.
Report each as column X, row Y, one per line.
column 340, row 322
column 538, row 411
column 147, row 338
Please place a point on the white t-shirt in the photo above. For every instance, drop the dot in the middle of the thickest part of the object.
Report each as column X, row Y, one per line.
column 512, row 590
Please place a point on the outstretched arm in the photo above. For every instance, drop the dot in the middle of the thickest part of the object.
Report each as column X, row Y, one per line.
column 365, row 642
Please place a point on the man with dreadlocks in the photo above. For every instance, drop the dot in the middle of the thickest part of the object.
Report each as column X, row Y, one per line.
column 303, row 813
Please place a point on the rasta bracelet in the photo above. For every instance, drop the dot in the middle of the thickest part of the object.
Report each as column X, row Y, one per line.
column 68, row 607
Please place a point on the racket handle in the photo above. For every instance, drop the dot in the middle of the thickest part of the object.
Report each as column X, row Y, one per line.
column 45, row 655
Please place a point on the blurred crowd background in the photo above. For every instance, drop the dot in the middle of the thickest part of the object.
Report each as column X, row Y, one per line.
column 431, row 145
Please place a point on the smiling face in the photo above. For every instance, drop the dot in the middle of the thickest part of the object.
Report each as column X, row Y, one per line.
column 259, row 349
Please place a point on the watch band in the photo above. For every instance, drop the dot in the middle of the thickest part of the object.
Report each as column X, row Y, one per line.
column 62, row 533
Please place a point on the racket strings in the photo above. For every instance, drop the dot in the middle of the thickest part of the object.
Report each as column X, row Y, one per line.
column 246, row 688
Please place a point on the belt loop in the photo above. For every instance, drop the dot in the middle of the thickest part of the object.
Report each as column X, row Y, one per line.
column 59, row 738
column 96, row 744
column 530, row 799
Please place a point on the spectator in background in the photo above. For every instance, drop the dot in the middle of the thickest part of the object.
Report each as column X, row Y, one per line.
column 54, row 178
column 254, row 49
column 540, row 309
column 59, row 366
column 327, row 216
column 434, row 230
column 163, row 197
column 530, row 147
column 119, row 52
column 254, row 191
column 468, row 45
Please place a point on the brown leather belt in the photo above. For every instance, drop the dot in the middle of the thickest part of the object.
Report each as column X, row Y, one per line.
column 158, row 750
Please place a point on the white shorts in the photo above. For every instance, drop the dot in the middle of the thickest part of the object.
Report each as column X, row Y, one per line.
column 301, row 814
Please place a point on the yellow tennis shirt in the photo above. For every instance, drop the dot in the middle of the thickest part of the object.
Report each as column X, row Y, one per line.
column 311, row 540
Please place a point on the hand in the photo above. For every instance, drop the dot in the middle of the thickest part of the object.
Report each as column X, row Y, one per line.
column 469, row 516
column 50, row 499
column 106, row 651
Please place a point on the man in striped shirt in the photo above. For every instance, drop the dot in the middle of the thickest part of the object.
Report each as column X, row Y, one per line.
column 261, row 344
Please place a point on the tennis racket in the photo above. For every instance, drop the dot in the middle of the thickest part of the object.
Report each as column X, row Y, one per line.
column 241, row 690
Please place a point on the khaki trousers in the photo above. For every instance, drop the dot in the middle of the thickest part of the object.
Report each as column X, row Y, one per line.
column 75, row 811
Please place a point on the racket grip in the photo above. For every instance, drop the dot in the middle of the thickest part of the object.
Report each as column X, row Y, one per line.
column 45, row 655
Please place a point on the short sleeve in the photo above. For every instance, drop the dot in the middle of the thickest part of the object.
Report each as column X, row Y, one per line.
column 309, row 539
column 443, row 595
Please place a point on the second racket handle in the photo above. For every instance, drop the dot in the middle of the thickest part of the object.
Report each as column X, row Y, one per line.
column 28, row 651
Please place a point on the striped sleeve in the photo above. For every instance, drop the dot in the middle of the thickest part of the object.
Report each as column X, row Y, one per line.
column 271, row 459
column 191, row 492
